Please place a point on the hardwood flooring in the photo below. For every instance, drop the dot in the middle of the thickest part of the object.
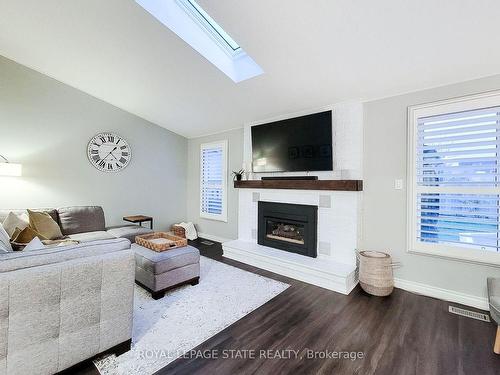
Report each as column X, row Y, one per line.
column 401, row 334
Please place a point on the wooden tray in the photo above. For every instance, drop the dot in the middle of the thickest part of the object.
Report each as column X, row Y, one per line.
column 160, row 241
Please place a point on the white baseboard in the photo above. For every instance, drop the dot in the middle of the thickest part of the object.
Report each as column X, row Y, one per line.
column 444, row 294
column 213, row 238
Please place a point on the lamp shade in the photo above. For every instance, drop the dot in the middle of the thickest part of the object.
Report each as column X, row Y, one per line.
column 11, row 169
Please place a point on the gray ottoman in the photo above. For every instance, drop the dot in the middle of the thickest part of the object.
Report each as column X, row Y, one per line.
column 159, row 272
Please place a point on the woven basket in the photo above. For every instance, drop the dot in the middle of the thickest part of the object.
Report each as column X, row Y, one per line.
column 375, row 273
column 178, row 231
column 148, row 241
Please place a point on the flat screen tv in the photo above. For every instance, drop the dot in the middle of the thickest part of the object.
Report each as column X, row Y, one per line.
column 297, row 144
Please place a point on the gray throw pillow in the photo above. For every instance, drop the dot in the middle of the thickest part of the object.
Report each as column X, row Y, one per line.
column 4, row 240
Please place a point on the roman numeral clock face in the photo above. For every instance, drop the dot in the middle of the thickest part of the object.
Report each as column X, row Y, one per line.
column 109, row 152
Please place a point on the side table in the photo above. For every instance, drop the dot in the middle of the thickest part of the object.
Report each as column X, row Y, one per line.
column 139, row 219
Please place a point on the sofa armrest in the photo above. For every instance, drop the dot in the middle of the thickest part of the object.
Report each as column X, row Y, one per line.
column 494, row 298
column 53, row 316
column 19, row 260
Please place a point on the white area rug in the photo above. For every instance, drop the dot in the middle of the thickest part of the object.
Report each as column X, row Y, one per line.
column 167, row 328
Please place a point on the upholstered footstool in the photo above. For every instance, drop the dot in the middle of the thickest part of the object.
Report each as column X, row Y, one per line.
column 159, row 272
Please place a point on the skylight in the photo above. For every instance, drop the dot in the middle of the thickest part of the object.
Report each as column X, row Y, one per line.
column 210, row 24
column 195, row 26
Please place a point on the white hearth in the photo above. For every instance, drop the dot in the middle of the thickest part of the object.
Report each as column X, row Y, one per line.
column 321, row 272
column 338, row 234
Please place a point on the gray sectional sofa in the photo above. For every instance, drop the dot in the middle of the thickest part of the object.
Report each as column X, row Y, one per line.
column 86, row 223
column 62, row 305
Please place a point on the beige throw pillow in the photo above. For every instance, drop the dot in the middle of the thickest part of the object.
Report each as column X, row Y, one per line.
column 13, row 221
column 43, row 223
column 26, row 235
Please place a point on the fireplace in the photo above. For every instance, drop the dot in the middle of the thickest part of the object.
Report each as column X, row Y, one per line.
column 289, row 227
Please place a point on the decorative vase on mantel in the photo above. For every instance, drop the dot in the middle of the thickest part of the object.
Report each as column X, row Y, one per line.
column 248, row 171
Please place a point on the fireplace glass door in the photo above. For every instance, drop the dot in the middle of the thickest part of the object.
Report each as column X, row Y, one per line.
column 285, row 231
column 288, row 227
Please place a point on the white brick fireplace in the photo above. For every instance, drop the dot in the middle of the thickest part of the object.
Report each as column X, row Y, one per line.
column 339, row 213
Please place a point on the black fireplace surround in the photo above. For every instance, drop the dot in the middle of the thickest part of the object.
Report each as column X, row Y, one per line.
column 289, row 227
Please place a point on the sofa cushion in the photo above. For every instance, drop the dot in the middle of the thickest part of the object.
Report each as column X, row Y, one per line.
column 21, row 260
column 91, row 236
column 80, row 219
column 158, row 263
column 15, row 220
column 128, row 231
column 44, row 224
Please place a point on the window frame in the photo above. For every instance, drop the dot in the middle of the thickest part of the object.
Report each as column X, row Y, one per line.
column 224, row 145
column 211, row 28
column 470, row 102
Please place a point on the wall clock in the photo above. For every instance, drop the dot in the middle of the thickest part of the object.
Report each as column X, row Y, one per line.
column 109, row 152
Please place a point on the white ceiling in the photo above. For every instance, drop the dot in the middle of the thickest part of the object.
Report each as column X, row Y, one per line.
column 313, row 52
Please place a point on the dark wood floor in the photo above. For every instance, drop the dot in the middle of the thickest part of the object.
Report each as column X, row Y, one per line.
column 401, row 334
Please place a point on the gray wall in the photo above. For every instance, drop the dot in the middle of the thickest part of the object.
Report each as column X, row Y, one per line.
column 221, row 229
column 46, row 125
column 384, row 222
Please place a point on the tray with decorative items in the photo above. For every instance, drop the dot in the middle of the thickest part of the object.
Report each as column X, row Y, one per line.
column 160, row 241
column 178, row 231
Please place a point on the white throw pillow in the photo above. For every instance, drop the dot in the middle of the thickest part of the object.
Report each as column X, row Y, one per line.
column 4, row 240
column 13, row 221
column 34, row 244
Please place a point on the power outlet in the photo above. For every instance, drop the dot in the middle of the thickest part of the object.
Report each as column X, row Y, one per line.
column 398, row 184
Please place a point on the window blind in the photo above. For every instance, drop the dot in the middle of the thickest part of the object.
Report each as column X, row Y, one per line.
column 213, row 181
column 457, row 159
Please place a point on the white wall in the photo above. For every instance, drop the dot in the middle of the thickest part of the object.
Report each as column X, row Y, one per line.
column 384, row 224
column 46, row 125
column 347, row 154
column 215, row 229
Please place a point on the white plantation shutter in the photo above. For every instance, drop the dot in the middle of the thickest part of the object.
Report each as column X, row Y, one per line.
column 213, row 180
column 455, row 195
column 459, row 149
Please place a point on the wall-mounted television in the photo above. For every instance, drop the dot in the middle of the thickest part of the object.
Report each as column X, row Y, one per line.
column 297, row 144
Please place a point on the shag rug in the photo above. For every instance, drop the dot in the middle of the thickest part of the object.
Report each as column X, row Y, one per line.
column 168, row 328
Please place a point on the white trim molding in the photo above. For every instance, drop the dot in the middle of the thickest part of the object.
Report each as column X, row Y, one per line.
column 462, row 251
column 443, row 294
column 223, row 145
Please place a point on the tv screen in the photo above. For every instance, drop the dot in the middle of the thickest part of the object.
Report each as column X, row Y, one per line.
column 296, row 144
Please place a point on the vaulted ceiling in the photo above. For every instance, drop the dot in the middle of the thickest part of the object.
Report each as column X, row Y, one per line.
column 313, row 52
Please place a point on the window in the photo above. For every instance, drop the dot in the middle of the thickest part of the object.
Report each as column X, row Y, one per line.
column 188, row 20
column 213, row 180
column 453, row 181
column 209, row 23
